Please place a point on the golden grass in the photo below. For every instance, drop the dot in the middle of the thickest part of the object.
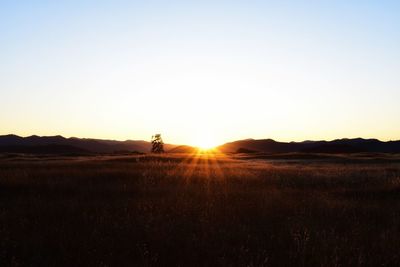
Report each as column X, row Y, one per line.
column 203, row 209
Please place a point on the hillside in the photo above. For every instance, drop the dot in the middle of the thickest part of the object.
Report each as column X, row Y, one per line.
column 183, row 149
column 57, row 144
column 356, row 145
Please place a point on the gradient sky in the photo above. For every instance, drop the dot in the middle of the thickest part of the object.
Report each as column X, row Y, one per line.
column 200, row 70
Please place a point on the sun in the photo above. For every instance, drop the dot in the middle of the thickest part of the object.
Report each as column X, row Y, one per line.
column 205, row 142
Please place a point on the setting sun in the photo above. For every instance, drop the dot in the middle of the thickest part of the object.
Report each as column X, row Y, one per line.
column 206, row 144
column 205, row 141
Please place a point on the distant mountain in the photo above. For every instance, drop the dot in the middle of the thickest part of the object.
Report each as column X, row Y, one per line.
column 56, row 144
column 183, row 149
column 60, row 145
column 262, row 145
column 336, row 146
column 45, row 149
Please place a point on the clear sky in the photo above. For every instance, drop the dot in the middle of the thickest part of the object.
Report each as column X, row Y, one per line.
column 200, row 71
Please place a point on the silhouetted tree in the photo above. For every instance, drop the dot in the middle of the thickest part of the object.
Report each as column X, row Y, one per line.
column 157, row 144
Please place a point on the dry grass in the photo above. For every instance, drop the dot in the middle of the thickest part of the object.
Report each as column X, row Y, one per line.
column 207, row 210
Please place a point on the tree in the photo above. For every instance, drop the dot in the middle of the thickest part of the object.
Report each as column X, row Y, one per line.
column 157, row 144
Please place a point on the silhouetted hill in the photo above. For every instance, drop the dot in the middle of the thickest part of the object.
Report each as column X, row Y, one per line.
column 59, row 144
column 44, row 149
column 245, row 150
column 336, row 146
column 35, row 144
column 183, row 149
column 262, row 145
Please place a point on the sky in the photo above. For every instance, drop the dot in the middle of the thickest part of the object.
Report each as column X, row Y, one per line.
column 200, row 72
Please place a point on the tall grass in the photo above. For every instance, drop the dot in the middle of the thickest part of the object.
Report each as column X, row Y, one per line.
column 197, row 211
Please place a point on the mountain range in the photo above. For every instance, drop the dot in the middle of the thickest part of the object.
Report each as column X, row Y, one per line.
column 356, row 145
column 61, row 145
column 58, row 144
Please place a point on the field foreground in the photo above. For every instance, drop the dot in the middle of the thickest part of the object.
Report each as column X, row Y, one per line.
column 202, row 210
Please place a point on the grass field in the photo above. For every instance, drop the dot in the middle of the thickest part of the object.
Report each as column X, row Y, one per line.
column 199, row 210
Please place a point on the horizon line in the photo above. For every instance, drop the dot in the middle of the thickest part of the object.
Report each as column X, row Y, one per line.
column 254, row 139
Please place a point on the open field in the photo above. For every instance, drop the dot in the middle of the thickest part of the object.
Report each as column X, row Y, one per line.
column 200, row 210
